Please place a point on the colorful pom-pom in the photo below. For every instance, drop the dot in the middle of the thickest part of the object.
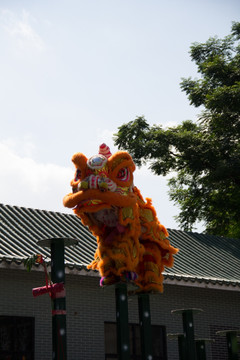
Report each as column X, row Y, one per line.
column 105, row 150
column 83, row 185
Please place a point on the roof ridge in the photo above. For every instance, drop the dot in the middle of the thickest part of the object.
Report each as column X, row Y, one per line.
column 38, row 209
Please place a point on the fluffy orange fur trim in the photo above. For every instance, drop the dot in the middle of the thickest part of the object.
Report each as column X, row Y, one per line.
column 138, row 242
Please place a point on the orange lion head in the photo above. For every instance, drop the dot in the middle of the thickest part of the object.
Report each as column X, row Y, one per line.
column 101, row 182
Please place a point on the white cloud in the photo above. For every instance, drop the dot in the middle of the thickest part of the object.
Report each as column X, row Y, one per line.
column 24, row 182
column 23, row 147
column 20, row 29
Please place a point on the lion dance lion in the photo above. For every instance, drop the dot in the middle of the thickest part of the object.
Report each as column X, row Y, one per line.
column 132, row 245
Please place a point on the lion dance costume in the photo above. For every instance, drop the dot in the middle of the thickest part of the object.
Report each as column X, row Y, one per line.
column 132, row 245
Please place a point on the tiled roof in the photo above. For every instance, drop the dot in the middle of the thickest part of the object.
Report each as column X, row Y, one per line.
column 205, row 258
column 22, row 228
column 202, row 258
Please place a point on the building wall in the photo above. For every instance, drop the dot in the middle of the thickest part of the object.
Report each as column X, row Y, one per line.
column 88, row 306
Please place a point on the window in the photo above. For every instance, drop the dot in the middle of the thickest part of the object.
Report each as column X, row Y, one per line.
column 158, row 337
column 16, row 338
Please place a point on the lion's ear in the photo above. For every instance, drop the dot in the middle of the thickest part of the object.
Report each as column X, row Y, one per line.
column 80, row 162
column 121, row 168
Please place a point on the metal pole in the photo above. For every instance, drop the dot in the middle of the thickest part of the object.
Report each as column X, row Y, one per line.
column 182, row 347
column 232, row 342
column 145, row 326
column 123, row 343
column 232, row 345
column 201, row 349
column 181, row 344
column 59, row 329
column 188, row 330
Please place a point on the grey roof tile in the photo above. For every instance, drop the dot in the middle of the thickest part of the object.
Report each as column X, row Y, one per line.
column 201, row 258
column 205, row 256
column 21, row 228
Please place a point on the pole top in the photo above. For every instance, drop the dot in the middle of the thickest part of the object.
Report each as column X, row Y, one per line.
column 225, row 332
column 49, row 241
column 184, row 311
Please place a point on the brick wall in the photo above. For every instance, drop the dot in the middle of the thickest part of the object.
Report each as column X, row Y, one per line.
column 88, row 306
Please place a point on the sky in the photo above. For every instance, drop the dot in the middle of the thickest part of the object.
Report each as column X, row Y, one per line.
column 72, row 72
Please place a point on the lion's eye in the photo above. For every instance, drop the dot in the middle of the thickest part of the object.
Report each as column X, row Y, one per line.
column 77, row 175
column 123, row 174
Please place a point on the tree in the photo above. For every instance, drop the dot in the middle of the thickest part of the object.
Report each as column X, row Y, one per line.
column 205, row 155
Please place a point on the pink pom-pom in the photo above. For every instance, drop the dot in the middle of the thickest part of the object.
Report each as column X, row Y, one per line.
column 102, row 281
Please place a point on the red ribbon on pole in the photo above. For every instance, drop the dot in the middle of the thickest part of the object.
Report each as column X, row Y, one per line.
column 54, row 290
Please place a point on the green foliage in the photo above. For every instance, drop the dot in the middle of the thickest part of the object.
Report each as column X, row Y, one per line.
column 31, row 260
column 204, row 155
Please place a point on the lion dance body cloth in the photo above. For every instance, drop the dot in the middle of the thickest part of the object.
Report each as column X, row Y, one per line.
column 132, row 245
